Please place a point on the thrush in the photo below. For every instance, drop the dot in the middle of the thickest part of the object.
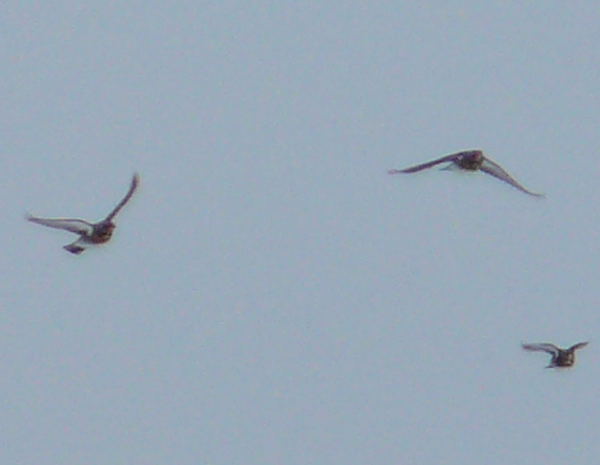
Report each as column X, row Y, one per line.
column 89, row 233
column 560, row 357
column 471, row 160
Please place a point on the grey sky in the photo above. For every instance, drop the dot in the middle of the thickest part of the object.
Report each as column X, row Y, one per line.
column 270, row 295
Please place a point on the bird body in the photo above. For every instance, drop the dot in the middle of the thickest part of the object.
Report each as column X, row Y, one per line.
column 470, row 160
column 89, row 233
column 560, row 357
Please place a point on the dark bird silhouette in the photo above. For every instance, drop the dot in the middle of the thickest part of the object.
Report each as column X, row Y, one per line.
column 89, row 233
column 471, row 160
column 560, row 357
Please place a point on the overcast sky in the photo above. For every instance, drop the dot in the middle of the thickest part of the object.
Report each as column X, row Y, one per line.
column 271, row 296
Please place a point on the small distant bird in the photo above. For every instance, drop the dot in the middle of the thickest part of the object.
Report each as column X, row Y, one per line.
column 89, row 233
column 560, row 357
column 471, row 160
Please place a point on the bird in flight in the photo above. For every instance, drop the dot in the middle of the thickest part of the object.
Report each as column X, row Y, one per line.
column 89, row 233
column 471, row 160
column 560, row 357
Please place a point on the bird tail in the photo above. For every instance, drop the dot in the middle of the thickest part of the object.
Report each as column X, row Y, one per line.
column 74, row 247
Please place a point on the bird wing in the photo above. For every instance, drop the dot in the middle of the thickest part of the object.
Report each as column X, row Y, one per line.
column 492, row 168
column 429, row 164
column 68, row 224
column 579, row 345
column 546, row 347
column 134, row 183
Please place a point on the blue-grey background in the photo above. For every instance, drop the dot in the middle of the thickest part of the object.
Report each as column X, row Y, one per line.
column 271, row 295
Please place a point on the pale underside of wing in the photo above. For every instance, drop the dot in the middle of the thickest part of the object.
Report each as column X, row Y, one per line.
column 134, row 183
column 546, row 347
column 579, row 345
column 494, row 169
column 429, row 164
column 68, row 224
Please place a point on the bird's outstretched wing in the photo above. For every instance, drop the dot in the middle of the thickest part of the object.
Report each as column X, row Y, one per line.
column 492, row 168
column 68, row 224
column 579, row 345
column 429, row 164
column 134, row 183
column 546, row 347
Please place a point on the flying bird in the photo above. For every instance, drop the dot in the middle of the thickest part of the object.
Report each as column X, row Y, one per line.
column 89, row 233
column 560, row 357
column 471, row 160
